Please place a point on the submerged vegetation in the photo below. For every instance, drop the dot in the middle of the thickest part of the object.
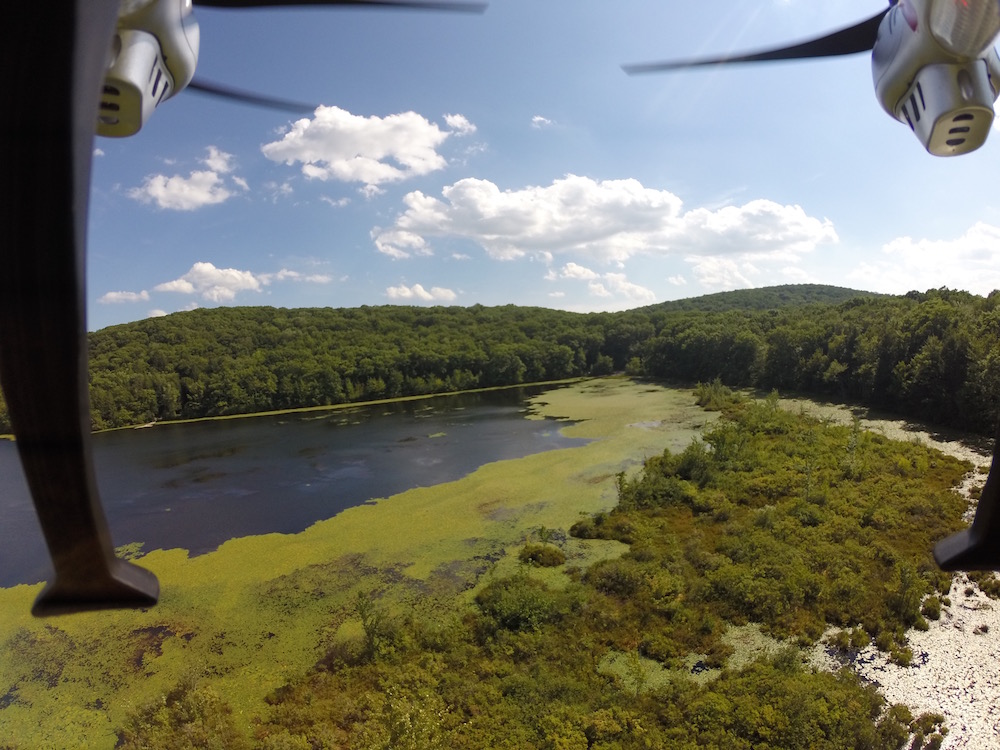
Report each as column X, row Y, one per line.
column 806, row 529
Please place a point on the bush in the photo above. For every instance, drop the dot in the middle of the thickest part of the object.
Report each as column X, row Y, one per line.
column 617, row 577
column 519, row 603
column 931, row 608
column 542, row 555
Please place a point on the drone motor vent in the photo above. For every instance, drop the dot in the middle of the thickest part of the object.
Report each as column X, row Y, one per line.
column 136, row 82
column 949, row 107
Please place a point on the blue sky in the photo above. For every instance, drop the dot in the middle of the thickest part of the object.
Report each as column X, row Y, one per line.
column 506, row 158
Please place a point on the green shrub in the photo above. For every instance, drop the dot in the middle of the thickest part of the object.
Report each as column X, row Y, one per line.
column 519, row 603
column 542, row 555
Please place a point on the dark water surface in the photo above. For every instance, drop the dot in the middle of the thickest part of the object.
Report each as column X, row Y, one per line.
column 197, row 485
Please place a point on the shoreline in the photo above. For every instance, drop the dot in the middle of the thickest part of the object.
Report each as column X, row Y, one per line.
column 343, row 406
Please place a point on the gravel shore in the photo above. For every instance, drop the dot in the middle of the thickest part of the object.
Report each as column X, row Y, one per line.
column 956, row 662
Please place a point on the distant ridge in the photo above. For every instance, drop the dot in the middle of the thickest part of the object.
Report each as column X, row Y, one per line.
column 765, row 298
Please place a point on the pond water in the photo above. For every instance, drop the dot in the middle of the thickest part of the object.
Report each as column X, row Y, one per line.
column 196, row 485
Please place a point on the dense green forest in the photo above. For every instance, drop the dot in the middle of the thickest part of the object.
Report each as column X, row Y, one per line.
column 773, row 518
column 932, row 356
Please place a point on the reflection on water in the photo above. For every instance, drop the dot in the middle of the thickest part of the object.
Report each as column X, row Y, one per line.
column 196, row 485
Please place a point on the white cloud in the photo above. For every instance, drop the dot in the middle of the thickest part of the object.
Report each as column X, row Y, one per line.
column 573, row 271
column 278, row 191
column 539, row 122
column 98, row 152
column 211, row 283
column 112, row 298
column 970, row 262
column 417, row 292
column 157, row 313
column 598, row 289
column 460, row 124
column 722, row 273
column 202, row 188
column 677, row 280
column 218, row 161
column 337, row 145
column 400, row 244
column 619, row 285
column 336, row 203
column 286, row 275
column 223, row 284
column 606, row 222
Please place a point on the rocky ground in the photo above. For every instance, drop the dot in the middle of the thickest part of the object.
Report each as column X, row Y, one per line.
column 956, row 662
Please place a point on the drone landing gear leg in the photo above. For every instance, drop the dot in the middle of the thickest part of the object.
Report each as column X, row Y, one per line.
column 977, row 547
column 45, row 157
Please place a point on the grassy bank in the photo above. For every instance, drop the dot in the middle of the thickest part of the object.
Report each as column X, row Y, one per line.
column 261, row 610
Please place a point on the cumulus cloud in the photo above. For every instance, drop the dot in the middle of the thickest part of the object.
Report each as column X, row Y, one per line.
column 539, row 122
column 460, row 124
column 970, row 262
column 335, row 202
column 223, row 284
column 604, row 285
column 112, row 298
column 606, row 222
column 575, row 271
column 400, row 244
column 723, row 273
column 622, row 287
column 337, row 145
column 200, row 188
column 286, row 275
column 218, row 161
column 211, row 283
column 417, row 292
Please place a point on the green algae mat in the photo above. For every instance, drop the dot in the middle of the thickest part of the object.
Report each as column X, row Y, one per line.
column 260, row 611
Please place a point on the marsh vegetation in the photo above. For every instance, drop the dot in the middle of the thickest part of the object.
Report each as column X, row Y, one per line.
column 415, row 623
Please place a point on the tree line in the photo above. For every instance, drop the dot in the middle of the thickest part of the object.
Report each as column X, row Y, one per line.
column 932, row 356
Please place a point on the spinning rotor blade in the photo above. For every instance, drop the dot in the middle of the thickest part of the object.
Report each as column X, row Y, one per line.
column 408, row 4
column 45, row 164
column 247, row 97
column 858, row 38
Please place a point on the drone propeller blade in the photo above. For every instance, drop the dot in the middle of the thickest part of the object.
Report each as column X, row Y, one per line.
column 247, row 97
column 977, row 548
column 43, row 338
column 858, row 38
column 406, row 4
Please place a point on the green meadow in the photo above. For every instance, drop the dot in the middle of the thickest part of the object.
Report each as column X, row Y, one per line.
column 260, row 612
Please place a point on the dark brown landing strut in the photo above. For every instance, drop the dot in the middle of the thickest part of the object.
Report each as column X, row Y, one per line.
column 53, row 58
column 978, row 547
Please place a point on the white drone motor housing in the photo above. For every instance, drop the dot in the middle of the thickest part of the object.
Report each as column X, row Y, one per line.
column 153, row 56
column 950, row 107
column 932, row 72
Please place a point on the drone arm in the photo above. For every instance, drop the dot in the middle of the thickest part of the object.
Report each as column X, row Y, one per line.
column 43, row 345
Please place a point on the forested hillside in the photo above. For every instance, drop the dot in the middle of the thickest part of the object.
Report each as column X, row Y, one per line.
column 932, row 356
